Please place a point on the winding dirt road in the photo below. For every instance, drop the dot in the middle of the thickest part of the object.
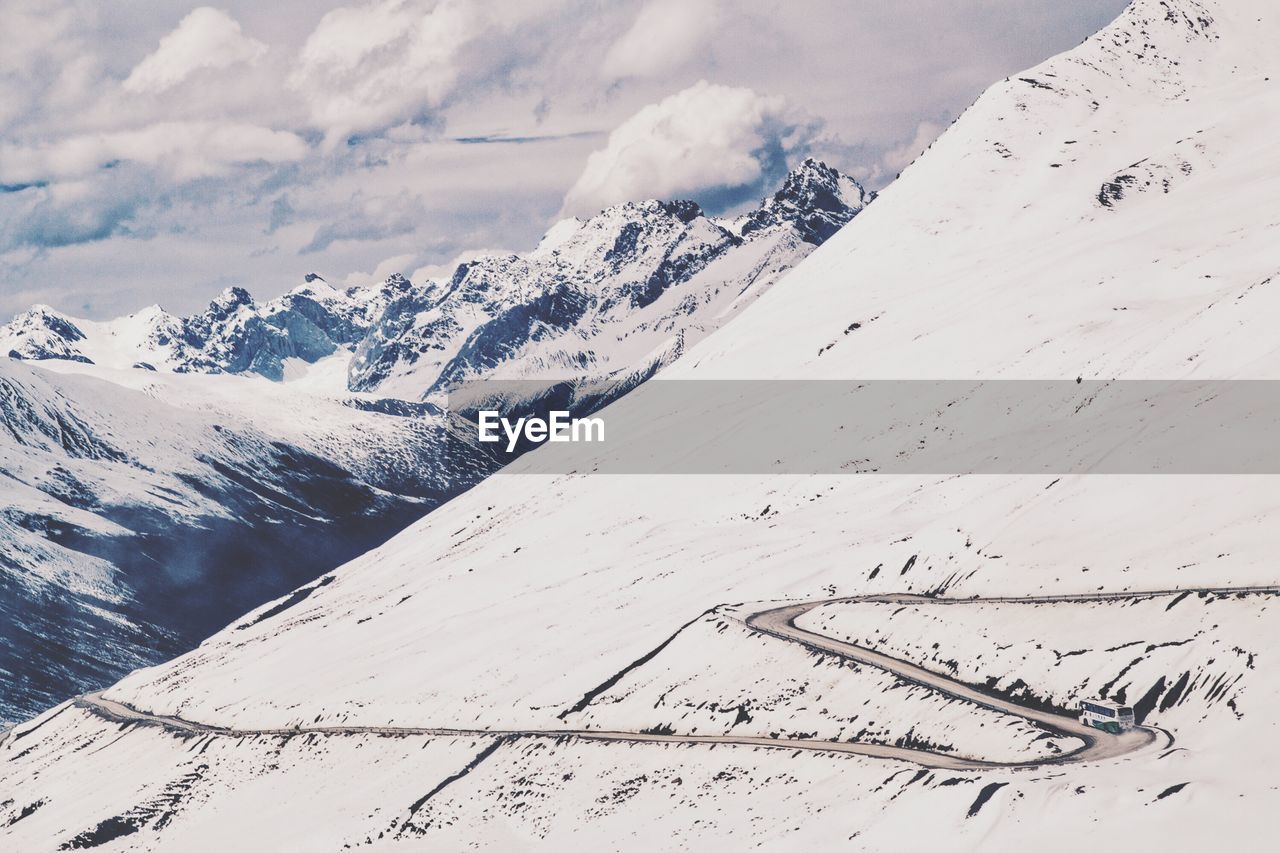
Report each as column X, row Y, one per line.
column 778, row 622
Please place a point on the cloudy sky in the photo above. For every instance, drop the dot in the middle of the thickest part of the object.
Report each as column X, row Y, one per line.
column 158, row 151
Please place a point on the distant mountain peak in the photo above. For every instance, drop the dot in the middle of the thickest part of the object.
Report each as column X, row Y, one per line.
column 151, row 311
column 232, row 298
column 812, row 181
column 42, row 333
column 685, row 211
column 815, row 198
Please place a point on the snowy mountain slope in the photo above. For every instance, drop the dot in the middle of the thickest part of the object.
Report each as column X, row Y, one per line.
column 507, row 605
column 206, row 794
column 625, row 290
column 786, row 691
column 1025, row 271
column 133, row 527
column 1178, row 659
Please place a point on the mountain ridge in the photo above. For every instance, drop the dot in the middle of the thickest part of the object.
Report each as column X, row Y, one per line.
column 599, row 271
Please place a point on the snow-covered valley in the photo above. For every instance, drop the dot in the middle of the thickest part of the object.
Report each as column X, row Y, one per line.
column 1111, row 213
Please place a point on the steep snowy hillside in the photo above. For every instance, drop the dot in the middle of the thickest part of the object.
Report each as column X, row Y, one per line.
column 763, row 686
column 1177, row 658
column 1110, row 213
column 624, row 291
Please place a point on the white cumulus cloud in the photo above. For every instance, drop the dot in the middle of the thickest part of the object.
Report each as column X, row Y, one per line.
column 205, row 38
column 703, row 139
column 665, row 35
column 376, row 65
column 182, row 150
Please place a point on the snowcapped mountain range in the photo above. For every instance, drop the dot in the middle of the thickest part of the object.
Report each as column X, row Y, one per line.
column 634, row 284
column 163, row 475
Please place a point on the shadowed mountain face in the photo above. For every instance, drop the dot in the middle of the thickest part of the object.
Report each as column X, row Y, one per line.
column 158, row 486
column 815, row 199
column 132, row 528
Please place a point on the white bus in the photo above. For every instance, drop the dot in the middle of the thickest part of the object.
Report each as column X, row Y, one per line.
column 1108, row 716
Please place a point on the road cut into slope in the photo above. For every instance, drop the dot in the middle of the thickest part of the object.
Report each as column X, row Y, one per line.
column 778, row 622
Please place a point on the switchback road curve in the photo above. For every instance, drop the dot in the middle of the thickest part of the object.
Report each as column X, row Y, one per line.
column 778, row 622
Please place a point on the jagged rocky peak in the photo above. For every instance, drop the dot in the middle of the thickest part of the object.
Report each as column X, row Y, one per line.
column 152, row 314
column 636, row 281
column 815, row 198
column 155, row 330
column 42, row 333
column 45, row 318
column 315, row 289
column 222, row 309
column 685, row 211
column 493, row 307
column 634, row 233
column 313, row 285
column 229, row 301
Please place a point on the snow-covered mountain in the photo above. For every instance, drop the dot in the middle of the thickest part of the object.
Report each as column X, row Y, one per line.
column 625, row 290
column 1110, row 213
column 167, row 474
column 233, row 335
